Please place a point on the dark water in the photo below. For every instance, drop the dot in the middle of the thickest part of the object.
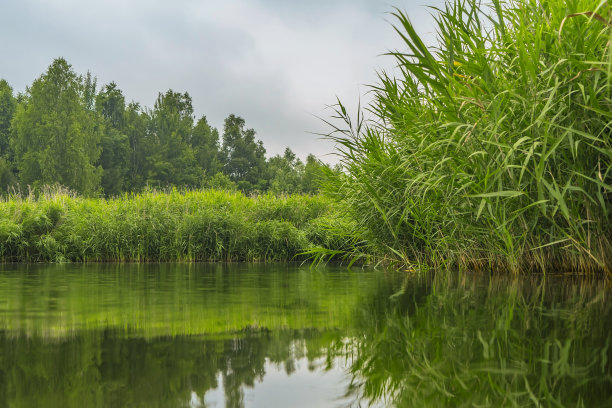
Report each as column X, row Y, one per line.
column 284, row 336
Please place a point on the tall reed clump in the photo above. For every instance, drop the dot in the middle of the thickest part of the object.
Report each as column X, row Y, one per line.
column 198, row 225
column 493, row 149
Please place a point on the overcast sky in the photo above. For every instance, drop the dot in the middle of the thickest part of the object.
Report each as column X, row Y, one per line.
column 276, row 63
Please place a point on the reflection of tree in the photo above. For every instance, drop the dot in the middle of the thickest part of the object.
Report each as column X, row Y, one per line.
column 219, row 331
column 105, row 368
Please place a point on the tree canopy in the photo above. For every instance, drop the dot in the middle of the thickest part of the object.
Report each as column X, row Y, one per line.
column 55, row 137
column 63, row 130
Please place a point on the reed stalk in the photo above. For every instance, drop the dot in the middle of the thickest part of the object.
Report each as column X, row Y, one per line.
column 491, row 150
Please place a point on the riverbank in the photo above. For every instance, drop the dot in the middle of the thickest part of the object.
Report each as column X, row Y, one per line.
column 199, row 225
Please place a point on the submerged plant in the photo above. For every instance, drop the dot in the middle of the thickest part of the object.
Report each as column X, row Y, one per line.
column 492, row 149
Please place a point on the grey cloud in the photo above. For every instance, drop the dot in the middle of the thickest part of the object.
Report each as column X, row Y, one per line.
column 276, row 63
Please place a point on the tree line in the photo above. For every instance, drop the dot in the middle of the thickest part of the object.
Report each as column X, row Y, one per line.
column 63, row 130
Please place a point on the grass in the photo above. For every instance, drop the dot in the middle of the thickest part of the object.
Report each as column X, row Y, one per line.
column 491, row 150
column 187, row 226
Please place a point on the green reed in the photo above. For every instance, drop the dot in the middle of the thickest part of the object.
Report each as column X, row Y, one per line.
column 174, row 226
column 492, row 149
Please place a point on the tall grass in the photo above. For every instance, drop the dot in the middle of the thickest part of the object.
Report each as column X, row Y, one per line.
column 175, row 226
column 492, row 149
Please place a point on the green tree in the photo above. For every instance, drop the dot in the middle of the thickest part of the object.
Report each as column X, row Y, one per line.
column 110, row 103
column 205, row 144
column 245, row 157
column 54, row 135
column 89, row 84
column 136, row 127
column 115, row 156
column 172, row 162
column 314, row 172
column 8, row 105
column 220, row 182
column 7, row 110
column 7, row 177
column 286, row 173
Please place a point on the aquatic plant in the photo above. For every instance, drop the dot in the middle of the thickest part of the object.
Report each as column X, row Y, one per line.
column 197, row 225
column 492, row 149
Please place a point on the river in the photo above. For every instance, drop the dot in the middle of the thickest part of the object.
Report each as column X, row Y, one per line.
column 276, row 335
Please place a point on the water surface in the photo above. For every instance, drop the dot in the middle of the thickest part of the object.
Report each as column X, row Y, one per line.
column 243, row 335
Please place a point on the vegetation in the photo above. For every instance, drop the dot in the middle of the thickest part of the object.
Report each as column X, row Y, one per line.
column 490, row 151
column 63, row 130
column 207, row 225
column 493, row 149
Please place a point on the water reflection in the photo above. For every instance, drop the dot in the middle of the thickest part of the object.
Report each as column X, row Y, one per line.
column 162, row 300
column 261, row 335
column 178, row 335
column 479, row 341
column 104, row 369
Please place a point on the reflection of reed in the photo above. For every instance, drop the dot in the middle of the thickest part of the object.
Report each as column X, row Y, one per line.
column 470, row 340
column 169, row 300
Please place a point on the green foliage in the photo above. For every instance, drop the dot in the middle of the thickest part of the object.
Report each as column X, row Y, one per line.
column 204, row 225
column 171, row 161
column 55, row 136
column 221, row 182
column 115, row 156
column 205, row 143
column 136, row 128
column 63, row 131
column 288, row 174
column 287, row 171
column 8, row 105
column 110, row 103
column 245, row 157
column 492, row 149
column 7, row 177
column 314, row 171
